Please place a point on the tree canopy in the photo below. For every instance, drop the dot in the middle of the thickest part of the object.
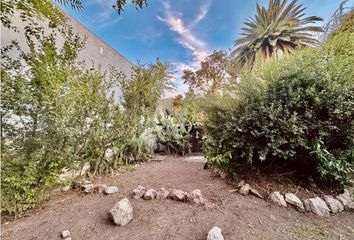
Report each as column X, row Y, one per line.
column 211, row 75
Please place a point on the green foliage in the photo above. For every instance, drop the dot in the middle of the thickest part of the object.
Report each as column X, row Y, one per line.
column 291, row 112
column 120, row 4
column 32, row 10
column 223, row 163
column 280, row 27
column 346, row 24
column 19, row 185
column 173, row 126
column 56, row 113
column 145, row 87
column 211, row 76
column 173, row 131
column 333, row 167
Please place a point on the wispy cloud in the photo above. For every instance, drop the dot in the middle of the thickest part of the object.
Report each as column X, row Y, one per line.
column 147, row 36
column 187, row 39
column 105, row 12
column 202, row 13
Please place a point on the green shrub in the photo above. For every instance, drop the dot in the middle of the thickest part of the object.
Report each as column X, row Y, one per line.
column 296, row 112
column 53, row 116
column 56, row 113
column 173, row 130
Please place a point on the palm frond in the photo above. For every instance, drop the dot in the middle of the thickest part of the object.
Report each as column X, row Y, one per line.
column 279, row 27
column 74, row 4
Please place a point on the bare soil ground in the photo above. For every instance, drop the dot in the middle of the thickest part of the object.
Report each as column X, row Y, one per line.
column 239, row 217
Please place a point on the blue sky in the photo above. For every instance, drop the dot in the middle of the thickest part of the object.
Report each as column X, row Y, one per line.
column 181, row 32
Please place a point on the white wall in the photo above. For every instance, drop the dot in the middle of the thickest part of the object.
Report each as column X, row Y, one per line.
column 96, row 50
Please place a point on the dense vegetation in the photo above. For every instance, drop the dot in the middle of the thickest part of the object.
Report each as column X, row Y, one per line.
column 57, row 113
column 294, row 113
column 174, row 126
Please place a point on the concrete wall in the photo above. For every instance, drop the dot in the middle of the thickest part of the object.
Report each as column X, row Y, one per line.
column 96, row 50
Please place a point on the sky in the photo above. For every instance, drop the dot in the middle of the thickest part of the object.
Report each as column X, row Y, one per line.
column 181, row 32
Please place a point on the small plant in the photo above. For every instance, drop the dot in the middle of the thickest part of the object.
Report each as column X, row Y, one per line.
column 173, row 131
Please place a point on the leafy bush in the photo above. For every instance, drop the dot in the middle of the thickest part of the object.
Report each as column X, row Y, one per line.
column 56, row 113
column 296, row 113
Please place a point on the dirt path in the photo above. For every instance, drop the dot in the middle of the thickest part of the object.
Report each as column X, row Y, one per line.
column 239, row 217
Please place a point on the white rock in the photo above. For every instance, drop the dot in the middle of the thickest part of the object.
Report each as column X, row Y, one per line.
column 85, row 169
column 150, row 194
column 245, row 189
column 177, row 195
column 162, row 193
column 195, row 196
column 88, row 188
column 292, row 199
column 68, row 174
column 345, row 198
column 333, row 204
column 350, row 207
column 209, row 205
column 111, row 190
column 256, row 193
column 278, row 198
column 122, row 212
column 241, row 183
column 66, row 188
column 200, row 159
column 307, row 205
column 318, row 207
column 223, row 175
column 108, row 155
column 100, row 188
column 138, row 192
column 215, row 234
column 65, row 234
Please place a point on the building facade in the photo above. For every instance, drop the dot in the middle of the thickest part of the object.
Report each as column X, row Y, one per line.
column 96, row 52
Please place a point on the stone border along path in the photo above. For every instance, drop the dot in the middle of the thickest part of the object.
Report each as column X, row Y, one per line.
column 122, row 211
column 316, row 205
column 86, row 215
column 178, row 195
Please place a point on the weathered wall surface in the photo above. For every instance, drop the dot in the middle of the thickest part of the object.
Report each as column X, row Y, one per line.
column 96, row 51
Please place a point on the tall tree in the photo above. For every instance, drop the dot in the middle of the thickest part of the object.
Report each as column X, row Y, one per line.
column 279, row 28
column 211, row 75
column 145, row 87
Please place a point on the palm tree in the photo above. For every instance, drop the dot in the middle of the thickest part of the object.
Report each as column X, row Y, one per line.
column 279, row 29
